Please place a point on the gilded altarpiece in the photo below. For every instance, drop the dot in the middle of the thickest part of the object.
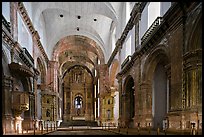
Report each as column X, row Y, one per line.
column 78, row 94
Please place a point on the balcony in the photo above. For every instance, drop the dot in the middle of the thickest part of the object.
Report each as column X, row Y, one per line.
column 125, row 61
column 151, row 29
column 26, row 57
column 23, row 70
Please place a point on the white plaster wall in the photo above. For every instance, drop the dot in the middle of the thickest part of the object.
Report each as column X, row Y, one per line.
column 164, row 7
column 24, row 36
column 153, row 12
column 128, row 44
column 109, row 46
column 40, row 27
column 6, row 59
column 128, row 10
column 6, row 10
column 132, row 40
column 123, row 53
column 6, row 51
column 143, row 23
column 113, row 40
column 28, row 8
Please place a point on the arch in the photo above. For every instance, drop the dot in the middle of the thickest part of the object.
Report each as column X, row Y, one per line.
column 82, row 42
column 129, row 101
column 158, row 54
column 70, row 68
column 155, row 70
column 42, row 69
column 78, row 101
column 113, row 72
column 195, row 38
column 71, row 64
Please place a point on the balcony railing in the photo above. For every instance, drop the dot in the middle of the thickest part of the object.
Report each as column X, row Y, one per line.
column 26, row 57
column 6, row 24
column 125, row 61
column 154, row 25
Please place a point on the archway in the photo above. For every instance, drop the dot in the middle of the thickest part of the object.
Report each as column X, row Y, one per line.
column 155, row 72
column 129, row 101
column 159, row 95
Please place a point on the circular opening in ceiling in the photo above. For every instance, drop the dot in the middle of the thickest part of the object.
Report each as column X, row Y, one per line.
column 79, row 17
column 95, row 19
column 61, row 15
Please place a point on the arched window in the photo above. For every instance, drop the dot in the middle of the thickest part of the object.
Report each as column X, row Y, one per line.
column 78, row 102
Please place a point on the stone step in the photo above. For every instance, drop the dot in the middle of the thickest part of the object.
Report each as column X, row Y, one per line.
column 78, row 123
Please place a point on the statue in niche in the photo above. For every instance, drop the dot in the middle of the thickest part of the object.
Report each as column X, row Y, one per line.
column 78, row 78
column 48, row 113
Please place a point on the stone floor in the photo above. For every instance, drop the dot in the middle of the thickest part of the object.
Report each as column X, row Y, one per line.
column 86, row 130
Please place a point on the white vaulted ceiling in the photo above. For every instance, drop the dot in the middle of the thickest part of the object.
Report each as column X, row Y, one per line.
column 57, row 28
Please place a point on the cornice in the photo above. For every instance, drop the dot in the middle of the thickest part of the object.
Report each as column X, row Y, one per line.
column 31, row 28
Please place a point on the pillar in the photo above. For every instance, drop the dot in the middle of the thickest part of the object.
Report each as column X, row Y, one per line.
column 7, row 119
column 120, row 99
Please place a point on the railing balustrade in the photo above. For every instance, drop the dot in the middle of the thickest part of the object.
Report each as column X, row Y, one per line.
column 150, row 30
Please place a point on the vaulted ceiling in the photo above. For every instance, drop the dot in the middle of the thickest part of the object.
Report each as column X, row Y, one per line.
column 88, row 22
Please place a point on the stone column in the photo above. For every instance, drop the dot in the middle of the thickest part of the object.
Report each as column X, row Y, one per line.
column 86, row 103
column 65, row 105
column 146, row 94
column 35, row 78
column 7, row 119
column 71, row 105
column 136, row 23
column 192, row 94
column 103, row 82
column 18, row 124
column 120, row 98
column 52, row 75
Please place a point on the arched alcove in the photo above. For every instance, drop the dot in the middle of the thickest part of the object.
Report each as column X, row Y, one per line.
column 129, row 101
column 159, row 95
column 155, row 75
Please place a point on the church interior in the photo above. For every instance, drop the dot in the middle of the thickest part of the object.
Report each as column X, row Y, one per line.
column 123, row 65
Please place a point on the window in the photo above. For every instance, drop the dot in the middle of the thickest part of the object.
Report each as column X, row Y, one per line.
column 78, row 102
